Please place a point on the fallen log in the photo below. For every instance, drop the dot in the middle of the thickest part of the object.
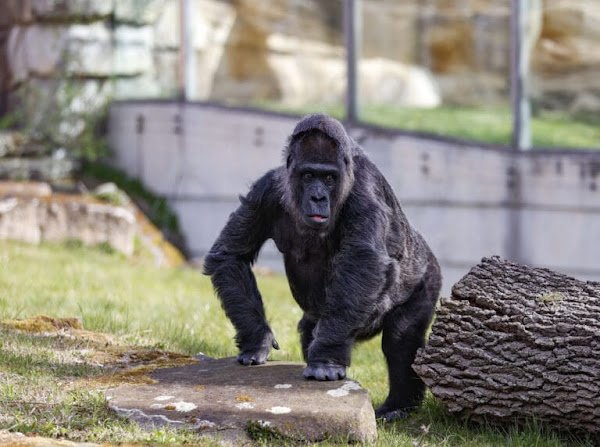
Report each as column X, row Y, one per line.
column 515, row 343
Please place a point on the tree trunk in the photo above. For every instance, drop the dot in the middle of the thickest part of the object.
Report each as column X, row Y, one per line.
column 516, row 342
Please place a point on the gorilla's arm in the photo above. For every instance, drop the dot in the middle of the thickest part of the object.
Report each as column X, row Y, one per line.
column 229, row 265
column 360, row 274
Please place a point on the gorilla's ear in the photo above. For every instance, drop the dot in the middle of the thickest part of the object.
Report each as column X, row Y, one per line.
column 288, row 161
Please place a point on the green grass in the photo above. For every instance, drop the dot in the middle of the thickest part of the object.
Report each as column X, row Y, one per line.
column 173, row 309
column 488, row 125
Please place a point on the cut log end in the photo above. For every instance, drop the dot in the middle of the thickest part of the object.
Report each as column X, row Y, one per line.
column 516, row 343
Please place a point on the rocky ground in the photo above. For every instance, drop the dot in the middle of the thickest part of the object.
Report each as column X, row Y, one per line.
column 215, row 398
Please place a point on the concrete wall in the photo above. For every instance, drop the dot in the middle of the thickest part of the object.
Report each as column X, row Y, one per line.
column 468, row 200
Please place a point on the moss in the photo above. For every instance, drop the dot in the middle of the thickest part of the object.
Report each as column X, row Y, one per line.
column 551, row 298
column 172, row 256
column 42, row 323
column 136, row 375
column 262, row 431
column 155, row 206
column 243, row 398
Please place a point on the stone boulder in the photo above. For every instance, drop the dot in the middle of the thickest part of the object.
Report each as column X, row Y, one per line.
column 230, row 401
column 62, row 217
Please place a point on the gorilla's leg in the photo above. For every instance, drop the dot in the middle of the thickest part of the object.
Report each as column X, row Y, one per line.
column 306, row 327
column 403, row 334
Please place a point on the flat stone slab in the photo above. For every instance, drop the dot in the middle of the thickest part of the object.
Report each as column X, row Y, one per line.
column 222, row 398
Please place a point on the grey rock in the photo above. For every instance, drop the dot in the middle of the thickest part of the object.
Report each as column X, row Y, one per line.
column 11, row 143
column 15, row 11
column 61, row 218
column 58, row 110
column 224, row 399
column 41, row 168
column 16, row 144
column 165, row 64
column 136, row 87
column 166, row 27
column 70, row 9
column 88, row 50
column 49, row 49
column 110, row 192
column 139, row 12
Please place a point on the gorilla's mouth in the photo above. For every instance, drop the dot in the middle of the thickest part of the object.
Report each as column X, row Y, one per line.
column 318, row 218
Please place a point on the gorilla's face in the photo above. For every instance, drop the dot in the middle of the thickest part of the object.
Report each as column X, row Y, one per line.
column 316, row 177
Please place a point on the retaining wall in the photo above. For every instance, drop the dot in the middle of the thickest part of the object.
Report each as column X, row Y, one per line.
column 468, row 200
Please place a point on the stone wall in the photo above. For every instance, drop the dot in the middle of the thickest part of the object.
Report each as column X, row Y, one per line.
column 63, row 60
column 415, row 53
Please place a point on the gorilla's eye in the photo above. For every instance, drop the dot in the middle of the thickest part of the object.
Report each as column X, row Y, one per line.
column 307, row 176
column 330, row 178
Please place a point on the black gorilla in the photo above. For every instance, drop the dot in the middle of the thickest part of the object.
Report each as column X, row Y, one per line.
column 354, row 264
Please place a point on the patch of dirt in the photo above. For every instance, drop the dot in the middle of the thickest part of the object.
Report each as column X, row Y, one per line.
column 122, row 362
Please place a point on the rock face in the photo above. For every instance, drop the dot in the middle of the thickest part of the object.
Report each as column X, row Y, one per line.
column 227, row 400
column 417, row 53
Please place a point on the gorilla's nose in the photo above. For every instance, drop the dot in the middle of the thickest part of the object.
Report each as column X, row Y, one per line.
column 318, row 198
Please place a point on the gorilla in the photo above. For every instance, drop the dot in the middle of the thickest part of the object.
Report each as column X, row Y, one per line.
column 354, row 264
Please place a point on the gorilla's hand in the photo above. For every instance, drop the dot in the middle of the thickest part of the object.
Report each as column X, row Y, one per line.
column 324, row 371
column 258, row 356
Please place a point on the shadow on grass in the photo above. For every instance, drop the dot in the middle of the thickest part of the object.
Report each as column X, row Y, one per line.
column 41, row 363
column 434, row 425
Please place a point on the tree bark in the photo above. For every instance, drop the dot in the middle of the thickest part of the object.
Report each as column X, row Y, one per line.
column 514, row 343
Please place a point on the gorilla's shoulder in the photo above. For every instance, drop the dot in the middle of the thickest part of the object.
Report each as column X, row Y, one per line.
column 369, row 179
column 365, row 168
column 265, row 191
column 371, row 192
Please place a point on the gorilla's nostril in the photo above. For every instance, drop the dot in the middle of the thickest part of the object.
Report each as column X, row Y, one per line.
column 318, row 198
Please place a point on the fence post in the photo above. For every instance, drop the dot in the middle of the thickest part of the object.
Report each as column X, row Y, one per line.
column 352, row 37
column 187, row 58
column 519, row 75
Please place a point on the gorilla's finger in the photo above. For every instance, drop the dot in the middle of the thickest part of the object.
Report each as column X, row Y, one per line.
column 259, row 360
column 321, row 371
column 244, row 359
column 275, row 344
column 309, row 373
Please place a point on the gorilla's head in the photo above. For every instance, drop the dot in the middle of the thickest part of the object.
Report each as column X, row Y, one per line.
column 319, row 171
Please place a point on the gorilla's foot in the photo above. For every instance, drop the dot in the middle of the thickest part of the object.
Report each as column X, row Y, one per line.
column 386, row 414
column 324, row 371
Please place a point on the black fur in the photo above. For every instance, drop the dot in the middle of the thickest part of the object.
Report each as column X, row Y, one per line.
column 354, row 264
